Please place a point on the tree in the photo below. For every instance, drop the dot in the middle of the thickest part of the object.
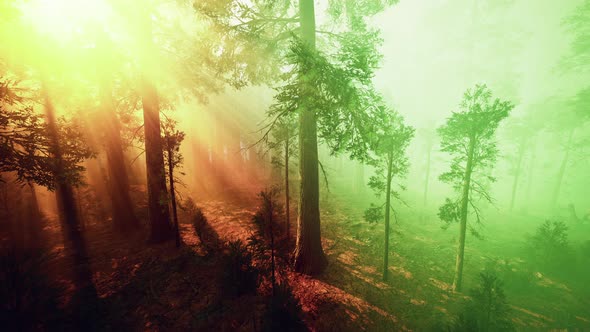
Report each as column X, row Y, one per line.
column 283, row 142
column 428, row 135
column 331, row 91
column 25, row 140
column 390, row 162
column 171, row 140
column 469, row 137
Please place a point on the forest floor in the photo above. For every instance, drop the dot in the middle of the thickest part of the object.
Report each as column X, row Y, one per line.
column 161, row 287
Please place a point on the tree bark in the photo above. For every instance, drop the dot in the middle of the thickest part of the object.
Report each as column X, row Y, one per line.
column 158, row 212
column 309, row 255
column 36, row 239
column 387, row 215
column 458, row 281
column 562, row 169
column 287, row 208
column 530, row 175
column 427, row 179
column 517, row 175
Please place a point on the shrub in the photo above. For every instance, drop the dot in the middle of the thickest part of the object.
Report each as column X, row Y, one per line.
column 239, row 276
column 549, row 247
column 269, row 212
column 488, row 309
column 283, row 312
column 29, row 300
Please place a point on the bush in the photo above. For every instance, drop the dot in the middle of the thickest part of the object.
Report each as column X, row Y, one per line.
column 239, row 275
column 28, row 298
column 488, row 309
column 269, row 212
column 283, row 312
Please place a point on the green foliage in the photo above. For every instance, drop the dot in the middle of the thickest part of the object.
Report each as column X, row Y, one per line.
column 488, row 309
column 239, row 275
column 473, row 125
column 390, row 143
column 29, row 300
column 373, row 214
column 549, row 246
column 283, row 312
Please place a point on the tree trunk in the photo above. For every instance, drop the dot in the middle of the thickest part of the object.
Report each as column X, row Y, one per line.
column 517, row 174
column 158, row 212
column 287, row 208
column 427, row 179
column 530, row 174
column 67, row 206
column 562, row 170
column 457, row 283
column 309, row 255
column 36, row 239
column 387, row 213
column 124, row 219
column 173, row 194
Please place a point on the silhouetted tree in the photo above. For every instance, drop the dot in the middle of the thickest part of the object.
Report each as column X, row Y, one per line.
column 469, row 137
column 172, row 138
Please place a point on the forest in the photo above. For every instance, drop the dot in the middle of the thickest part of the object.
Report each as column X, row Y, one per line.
column 310, row 165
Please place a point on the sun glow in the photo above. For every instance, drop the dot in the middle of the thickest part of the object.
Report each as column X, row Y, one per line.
column 63, row 20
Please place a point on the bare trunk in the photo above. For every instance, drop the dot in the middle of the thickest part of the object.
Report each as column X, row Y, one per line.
column 159, row 214
column 562, row 170
column 36, row 238
column 517, row 174
column 387, row 215
column 458, row 281
column 287, row 208
column 530, row 175
column 309, row 255
column 427, row 179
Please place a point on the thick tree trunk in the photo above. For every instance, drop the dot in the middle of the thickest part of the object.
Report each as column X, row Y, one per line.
column 562, row 169
column 173, row 195
column 124, row 219
column 159, row 214
column 458, row 281
column 517, row 174
column 309, row 255
column 387, row 215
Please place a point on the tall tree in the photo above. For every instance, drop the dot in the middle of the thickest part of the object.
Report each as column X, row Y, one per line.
column 329, row 87
column 469, row 137
column 390, row 162
column 283, row 142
